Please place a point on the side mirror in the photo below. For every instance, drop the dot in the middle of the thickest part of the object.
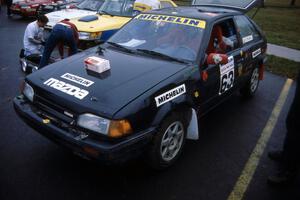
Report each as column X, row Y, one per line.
column 216, row 58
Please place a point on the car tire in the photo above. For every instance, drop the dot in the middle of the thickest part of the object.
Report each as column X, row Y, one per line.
column 249, row 90
column 168, row 142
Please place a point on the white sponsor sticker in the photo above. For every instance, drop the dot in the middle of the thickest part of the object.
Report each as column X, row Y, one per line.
column 66, row 88
column 256, row 53
column 226, row 75
column 247, row 39
column 77, row 79
column 170, row 95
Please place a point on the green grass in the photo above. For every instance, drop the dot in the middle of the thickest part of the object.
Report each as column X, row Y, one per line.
column 280, row 2
column 281, row 25
column 280, row 22
column 282, row 67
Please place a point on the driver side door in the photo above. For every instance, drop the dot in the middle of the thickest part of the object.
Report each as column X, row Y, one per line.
column 222, row 80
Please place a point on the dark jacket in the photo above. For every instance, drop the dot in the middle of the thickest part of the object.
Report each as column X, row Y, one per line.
column 293, row 118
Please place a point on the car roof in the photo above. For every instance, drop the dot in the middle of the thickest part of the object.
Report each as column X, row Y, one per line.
column 206, row 13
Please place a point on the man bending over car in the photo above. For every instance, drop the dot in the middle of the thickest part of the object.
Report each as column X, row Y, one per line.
column 33, row 37
column 63, row 33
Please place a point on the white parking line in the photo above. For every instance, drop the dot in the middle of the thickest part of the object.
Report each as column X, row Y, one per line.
column 247, row 174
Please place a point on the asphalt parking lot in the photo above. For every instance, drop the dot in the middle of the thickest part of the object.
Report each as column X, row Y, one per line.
column 31, row 167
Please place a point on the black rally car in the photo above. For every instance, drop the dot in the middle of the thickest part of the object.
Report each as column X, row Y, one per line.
column 143, row 90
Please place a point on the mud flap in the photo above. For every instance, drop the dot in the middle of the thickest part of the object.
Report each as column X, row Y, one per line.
column 193, row 129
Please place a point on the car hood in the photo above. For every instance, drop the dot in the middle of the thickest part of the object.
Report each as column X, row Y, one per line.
column 104, row 23
column 129, row 77
column 57, row 16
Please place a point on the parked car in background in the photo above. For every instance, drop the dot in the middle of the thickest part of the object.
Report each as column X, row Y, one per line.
column 111, row 17
column 86, row 7
column 59, row 5
column 28, row 8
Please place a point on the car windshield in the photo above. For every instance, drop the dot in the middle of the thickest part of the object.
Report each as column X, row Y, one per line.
column 117, row 7
column 160, row 35
column 92, row 5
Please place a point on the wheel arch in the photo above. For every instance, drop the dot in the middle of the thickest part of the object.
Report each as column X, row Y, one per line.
column 186, row 109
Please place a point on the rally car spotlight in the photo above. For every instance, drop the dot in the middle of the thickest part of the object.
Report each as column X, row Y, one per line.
column 28, row 92
column 89, row 36
column 104, row 126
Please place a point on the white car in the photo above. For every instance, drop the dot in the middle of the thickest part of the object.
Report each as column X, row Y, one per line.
column 85, row 8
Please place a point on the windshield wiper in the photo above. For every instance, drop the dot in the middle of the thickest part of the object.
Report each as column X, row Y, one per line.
column 121, row 47
column 161, row 55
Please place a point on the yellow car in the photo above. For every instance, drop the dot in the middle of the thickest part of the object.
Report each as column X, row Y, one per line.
column 112, row 15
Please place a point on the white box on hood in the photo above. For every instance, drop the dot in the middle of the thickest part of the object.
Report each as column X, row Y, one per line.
column 97, row 64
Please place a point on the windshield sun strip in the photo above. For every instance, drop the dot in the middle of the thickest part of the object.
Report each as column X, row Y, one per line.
column 173, row 19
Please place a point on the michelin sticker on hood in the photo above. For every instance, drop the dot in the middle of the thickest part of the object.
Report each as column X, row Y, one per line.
column 77, row 79
column 170, row 95
column 66, row 88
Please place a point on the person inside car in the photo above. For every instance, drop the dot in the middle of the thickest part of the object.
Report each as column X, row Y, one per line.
column 216, row 43
column 33, row 37
column 63, row 33
column 219, row 41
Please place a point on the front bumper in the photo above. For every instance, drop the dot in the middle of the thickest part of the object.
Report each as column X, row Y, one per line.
column 88, row 148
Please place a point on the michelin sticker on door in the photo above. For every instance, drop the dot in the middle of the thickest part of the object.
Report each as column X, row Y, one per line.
column 170, row 95
column 226, row 75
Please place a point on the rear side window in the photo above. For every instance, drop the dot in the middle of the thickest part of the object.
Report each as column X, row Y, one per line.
column 246, row 29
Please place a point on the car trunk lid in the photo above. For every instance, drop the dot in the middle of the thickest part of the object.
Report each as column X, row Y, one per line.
column 241, row 5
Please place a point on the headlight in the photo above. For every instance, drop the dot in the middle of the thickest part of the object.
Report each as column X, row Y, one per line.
column 84, row 36
column 89, row 36
column 28, row 92
column 104, row 126
column 94, row 123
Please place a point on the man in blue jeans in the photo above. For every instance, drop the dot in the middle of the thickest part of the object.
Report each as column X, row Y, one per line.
column 63, row 34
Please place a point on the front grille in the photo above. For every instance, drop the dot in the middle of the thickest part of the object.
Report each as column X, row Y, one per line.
column 48, row 109
column 53, row 109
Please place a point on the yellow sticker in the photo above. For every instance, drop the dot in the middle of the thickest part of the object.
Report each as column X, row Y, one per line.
column 46, row 121
column 173, row 19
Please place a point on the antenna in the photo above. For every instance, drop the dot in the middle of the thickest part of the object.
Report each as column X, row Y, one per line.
column 255, row 12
